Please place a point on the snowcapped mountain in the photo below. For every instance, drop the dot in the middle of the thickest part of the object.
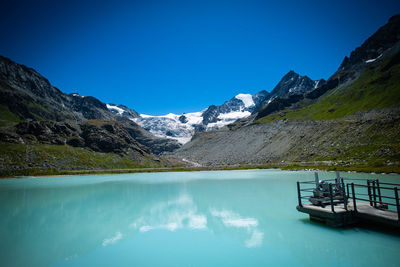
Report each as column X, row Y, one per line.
column 178, row 127
column 122, row 110
column 291, row 84
column 182, row 127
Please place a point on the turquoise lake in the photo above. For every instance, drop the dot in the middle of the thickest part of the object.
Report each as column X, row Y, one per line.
column 216, row 218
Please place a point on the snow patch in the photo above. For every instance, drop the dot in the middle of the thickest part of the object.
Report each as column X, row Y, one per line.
column 169, row 125
column 228, row 118
column 119, row 110
column 81, row 96
column 316, row 84
column 372, row 60
column 247, row 99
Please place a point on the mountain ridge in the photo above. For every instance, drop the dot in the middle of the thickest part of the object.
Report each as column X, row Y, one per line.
column 322, row 126
column 179, row 127
column 40, row 117
column 352, row 118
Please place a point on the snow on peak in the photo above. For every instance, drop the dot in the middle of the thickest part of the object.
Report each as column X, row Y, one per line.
column 117, row 109
column 246, row 98
column 169, row 125
column 75, row 94
column 182, row 127
column 372, row 60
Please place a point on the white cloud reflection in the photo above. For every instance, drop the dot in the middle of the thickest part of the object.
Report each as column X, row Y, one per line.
column 255, row 240
column 231, row 219
column 172, row 215
column 182, row 213
column 112, row 240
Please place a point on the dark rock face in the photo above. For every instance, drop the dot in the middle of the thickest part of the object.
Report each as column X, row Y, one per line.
column 291, row 84
column 110, row 137
column 319, row 91
column 260, row 96
column 30, row 96
column 51, row 117
column 183, row 119
column 210, row 115
column 155, row 145
column 48, row 132
column 278, row 104
column 90, row 108
column 101, row 136
column 199, row 128
column 385, row 38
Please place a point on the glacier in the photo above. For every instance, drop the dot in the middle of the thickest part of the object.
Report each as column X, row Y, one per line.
column 182, row 127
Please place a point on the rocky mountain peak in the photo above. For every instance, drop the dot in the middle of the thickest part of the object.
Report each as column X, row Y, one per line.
column 121, row 110
column 373, row 48
column 291, row 84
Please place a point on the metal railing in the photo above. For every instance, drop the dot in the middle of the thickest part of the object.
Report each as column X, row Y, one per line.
column 380, row 195
column 375, row 196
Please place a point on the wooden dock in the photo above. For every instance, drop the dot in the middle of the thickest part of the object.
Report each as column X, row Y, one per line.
column 337, row 203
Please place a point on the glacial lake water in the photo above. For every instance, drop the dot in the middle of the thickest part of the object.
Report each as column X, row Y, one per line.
column 216, row 218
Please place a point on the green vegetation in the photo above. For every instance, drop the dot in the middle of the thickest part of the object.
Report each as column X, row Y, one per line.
column 378, row 87
column 6, row 116
column 38, row 111
column 99, row 123
column 336, row 166
column 38, row 159
column 356, row 167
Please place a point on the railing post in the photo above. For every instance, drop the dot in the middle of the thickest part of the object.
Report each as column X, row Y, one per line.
column 374, row 191
column 337, row 180
column 396, row 194
column 348, row 193
column 369, row 192
column 299, row 194
column 354, row 197
column 331, row 197
column 379, row 191
column 344, row 195
column 316, row 179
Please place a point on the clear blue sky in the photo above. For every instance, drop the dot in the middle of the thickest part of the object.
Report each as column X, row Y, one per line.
column 181, row 56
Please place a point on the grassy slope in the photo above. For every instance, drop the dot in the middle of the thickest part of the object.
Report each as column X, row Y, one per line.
column 48, row 159
column 374, row 89
column 378, row 147
column 6, row 116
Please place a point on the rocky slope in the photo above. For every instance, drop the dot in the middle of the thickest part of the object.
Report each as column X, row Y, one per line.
column 352, row 118
column 183, row 126
column 362, row 138
column 33, row 112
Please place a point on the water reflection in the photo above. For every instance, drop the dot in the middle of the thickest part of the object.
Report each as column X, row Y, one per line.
column 183, row 213
column 171, row 215
column 249, row 220
column 231, row 219
column 112, row 240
